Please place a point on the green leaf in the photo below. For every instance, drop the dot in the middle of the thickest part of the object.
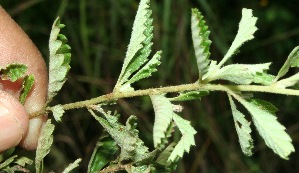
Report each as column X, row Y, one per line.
column 59, row 60
column 163, row 117
column 190, row 95
column 7, row 161
column 140, row 43
column 239, row 73
column 44, row 143
column 13, row 72
column 132, row 147
column 201, row 42
column 27, row 84
column 292, row 61
column 168, row 134
column 72, row 166
column 245, row 33
column 139, row 169
column 148, row 69
column 243, row 129
column 263, row 78
column 269, row 128
column 163, row 157
column 187, row 139
column 264, row 105
column 102, row 154
column 288, row 82
column 23, row 161
column 58, row 112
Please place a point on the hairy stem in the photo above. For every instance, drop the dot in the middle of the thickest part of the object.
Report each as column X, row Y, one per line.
column 115, row 168
column 170, row 89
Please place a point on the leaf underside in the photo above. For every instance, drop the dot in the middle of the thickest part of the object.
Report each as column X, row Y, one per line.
column 187, row 139
column 269, row 128
column 243, row 129
column 59, row 60
column 201, row 42
column 163, row 117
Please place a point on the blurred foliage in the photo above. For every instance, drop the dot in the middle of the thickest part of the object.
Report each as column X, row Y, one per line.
column 99, row 31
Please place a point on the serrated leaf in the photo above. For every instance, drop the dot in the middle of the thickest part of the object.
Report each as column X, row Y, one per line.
column 201, row 42
column 44, row 143
column 140, row 43
column 27, row 84
column 102, row 154
column 190, row 95
column 245, row 33
column 132, row 147
column 187, row 139
column 270, row 129
column 239, row 73
column 163, row 117
column 13, row 72
column 148, row 69
column 58, row 112
column 243, row 129
column 59, row 60
column 292, row 61
column 72, row 166
column 7, row 161
column 168, row 134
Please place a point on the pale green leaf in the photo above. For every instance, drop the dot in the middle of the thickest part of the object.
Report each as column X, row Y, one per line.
column 72, row 166
column 239, row 73
column 190, row 95
column 58, row 112
column 292, row 61
column 163, row 117
column 148, row 69
column 187, row 139
column 27, row 84
column 168, row 134
column 201, row 42
column 44, row 143
column 243, row 129
column 8, row 161
column 139, row 169
column 13, row 72
column 212, row 68
column 245, row 33
column 132, row 147
column 288, row 82
column 270, row 129
column 140, row 43
column 59, row 60
column 263, row 78
column 23, row 161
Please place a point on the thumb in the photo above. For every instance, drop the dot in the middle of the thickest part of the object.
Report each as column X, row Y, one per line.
column 13, row 121
column 16, row 47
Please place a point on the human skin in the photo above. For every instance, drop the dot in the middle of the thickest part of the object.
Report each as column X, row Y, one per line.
column 15, row 126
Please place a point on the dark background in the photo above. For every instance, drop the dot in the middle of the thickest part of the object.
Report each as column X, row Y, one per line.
column 99, row 32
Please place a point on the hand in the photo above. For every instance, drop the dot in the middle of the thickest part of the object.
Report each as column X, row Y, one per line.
column 15, row 126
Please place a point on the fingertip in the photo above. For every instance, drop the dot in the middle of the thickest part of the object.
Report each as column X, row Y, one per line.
column 30, row 140
column 13, row 121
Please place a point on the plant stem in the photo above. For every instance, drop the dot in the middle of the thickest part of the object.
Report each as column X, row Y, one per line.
column 170, row 89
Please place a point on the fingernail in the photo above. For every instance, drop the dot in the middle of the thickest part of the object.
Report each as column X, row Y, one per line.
column 11, row 130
